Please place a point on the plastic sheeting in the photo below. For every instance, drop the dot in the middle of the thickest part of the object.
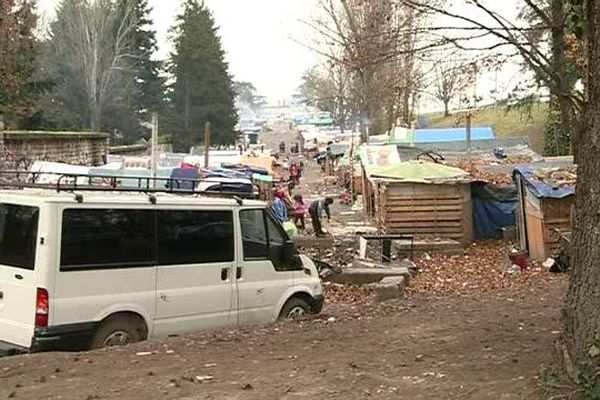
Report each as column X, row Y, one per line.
column 494, row 208
column 539, row 188
column 489, row 216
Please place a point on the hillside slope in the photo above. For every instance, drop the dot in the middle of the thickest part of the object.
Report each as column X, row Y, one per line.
column 506, row 123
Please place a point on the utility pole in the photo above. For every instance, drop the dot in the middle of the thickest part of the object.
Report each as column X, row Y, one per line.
column 154, row 149
column 469, row 135
column 206, row 143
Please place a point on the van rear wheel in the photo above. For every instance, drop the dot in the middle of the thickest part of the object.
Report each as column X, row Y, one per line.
column 295, row 308
column 117, row 332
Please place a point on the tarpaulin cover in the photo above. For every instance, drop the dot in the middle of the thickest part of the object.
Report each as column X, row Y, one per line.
column 489, row 216
column 486, row 191
column 184, row 178
column 541, row 189
column 494, row 208
column 419, row 172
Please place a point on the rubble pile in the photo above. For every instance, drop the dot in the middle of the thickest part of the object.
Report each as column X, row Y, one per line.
column 340, row 256
column 483, row 267
column 476, row 168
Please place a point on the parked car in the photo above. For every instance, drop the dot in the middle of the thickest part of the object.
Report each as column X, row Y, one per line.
column 102, row 269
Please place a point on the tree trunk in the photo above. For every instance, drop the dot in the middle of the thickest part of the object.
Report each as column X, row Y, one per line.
column 561, row 90
column 446, row 108
column 582, row 310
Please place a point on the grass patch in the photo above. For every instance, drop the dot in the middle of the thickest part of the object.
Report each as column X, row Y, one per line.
column 506, row 123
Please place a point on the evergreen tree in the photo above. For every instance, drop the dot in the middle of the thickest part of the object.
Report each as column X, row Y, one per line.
column 145, row 91
column 202, row 89
column 150, row 86
column 18, row 48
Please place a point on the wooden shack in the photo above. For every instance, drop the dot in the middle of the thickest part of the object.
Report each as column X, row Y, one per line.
column 545, row 208
column 371, row 158
column 423, row 199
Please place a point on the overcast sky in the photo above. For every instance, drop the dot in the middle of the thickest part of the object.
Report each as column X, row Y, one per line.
column 259, row 36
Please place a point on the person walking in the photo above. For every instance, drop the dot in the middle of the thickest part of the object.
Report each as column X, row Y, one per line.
column 299, row 212
column 279, row 208
column 316, row 210
column 295, row 173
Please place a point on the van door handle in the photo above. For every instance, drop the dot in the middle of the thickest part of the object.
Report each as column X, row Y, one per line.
column 19, row 277
column 224, row 274
column 238, row 273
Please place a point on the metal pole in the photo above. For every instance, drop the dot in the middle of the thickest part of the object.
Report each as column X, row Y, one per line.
column 154, row 148
column 352, row 167
column 206, row 143
column 469, row 135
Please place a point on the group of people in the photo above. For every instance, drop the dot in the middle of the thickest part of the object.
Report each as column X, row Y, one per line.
column 294, row 148
column 317, row 209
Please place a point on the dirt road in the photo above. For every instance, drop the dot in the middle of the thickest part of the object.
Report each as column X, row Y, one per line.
column 486, row 347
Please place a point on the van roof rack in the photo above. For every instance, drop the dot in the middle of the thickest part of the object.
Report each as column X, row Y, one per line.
column 71, row 182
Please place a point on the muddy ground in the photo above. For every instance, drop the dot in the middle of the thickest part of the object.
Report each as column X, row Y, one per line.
column 438, row 343
column 490, row 346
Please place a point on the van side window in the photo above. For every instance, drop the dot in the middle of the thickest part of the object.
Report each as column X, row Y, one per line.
column 195, row 237
column 18, row 235
column 277, row 239
column 107, row 238
column 254, row 235
column 263, row 239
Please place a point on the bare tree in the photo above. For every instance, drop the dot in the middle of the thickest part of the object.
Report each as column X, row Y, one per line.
column 542, row 44
column 328, row 88
column 376, row 42
column 449, row 81
column 94, row 42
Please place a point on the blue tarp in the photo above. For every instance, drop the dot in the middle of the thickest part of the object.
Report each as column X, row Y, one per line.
column 452, row 134
column 539, row 188
column 490, row 216
column 184, row 178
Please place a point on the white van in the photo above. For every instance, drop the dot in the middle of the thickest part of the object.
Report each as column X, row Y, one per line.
column 102, row 269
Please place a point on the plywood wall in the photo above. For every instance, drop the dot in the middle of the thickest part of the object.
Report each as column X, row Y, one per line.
column 443, row 211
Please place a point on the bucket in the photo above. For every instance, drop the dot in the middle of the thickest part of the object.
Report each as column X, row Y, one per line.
column 520, row 258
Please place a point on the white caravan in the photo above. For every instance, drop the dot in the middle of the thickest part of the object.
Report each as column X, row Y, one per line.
column 102, row 269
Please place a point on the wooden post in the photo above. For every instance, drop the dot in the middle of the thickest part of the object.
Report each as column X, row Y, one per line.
column 469, row 135
column 154, row 149
column 206, row 143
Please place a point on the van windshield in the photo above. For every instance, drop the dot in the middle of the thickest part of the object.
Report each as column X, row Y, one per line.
column 18, row 235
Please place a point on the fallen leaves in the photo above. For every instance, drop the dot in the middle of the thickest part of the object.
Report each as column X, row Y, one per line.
column 347, row 294
column 557, row 177
column 481, row 268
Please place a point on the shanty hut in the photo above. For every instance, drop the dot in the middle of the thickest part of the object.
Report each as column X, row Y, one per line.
column 490, row 162
column 423, row 199
column 546, row 196
column 371, row 158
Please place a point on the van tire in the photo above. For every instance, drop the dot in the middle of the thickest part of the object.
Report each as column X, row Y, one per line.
column 119, row 331
column 294, row 308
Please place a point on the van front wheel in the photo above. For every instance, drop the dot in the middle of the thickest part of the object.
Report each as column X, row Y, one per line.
column 117, row 332
column 295, row 308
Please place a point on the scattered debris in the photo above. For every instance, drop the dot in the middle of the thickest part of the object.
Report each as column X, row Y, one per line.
column 204, row 378
column 335, row 293
column 482, row 267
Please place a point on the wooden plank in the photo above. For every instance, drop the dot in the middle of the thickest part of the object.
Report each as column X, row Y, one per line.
column 423, row 208
column 425, row 198
column 433, row 225
column 430, row 216
column 390, row 203
column 423, row 230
